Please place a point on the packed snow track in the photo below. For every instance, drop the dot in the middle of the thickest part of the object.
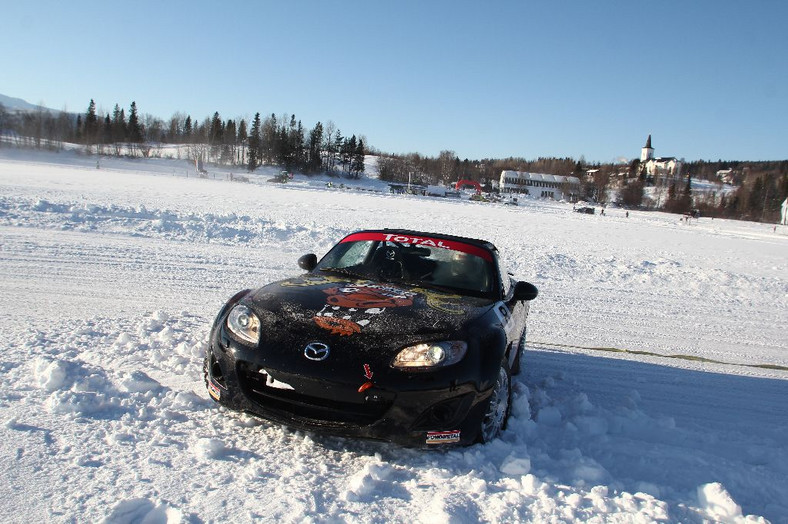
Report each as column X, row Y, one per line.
column 110, row 279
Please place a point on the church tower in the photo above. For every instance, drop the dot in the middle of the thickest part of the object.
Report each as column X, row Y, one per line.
column 647, row 153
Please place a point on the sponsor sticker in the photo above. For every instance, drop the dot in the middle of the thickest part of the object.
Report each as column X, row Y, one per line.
column 213, row 391
column 443, row 437
column 452, row 245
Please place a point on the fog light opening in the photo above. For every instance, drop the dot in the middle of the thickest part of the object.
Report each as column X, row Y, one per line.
column 216, row 372
column 443, row 413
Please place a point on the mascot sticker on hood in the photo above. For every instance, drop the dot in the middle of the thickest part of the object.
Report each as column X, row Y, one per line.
column 349, row 308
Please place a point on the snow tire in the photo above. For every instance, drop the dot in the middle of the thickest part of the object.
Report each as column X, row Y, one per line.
column 496, row 414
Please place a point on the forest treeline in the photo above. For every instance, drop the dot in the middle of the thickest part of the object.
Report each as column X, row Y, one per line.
column 283, row 141
column 760, row 187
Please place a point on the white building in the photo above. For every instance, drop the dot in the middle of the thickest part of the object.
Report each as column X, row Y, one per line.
column 726, row 176
column 539, row 185
column 660, row 169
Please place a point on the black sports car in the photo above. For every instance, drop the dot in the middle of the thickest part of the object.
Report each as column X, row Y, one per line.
column 396, row 335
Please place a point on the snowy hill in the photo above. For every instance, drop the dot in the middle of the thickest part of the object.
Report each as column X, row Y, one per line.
column 653, row 389
column 18, row 104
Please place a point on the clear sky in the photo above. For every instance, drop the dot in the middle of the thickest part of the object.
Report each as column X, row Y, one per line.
column 708, row 79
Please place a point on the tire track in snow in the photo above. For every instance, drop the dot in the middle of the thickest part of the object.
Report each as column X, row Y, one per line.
column 692, row 358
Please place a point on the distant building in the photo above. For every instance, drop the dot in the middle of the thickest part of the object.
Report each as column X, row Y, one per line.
column 539, row 185
column 726, row 176
column 659, row 170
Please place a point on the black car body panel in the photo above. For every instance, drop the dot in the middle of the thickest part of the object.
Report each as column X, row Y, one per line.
column 324, row 360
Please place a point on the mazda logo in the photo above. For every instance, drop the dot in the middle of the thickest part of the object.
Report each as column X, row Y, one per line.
column 316, row 351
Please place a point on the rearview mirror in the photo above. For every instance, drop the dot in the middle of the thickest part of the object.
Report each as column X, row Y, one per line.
column 525, row 291
column 308, row 262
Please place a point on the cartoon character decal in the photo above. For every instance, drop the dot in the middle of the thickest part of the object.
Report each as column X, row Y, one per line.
column 337, row 325
column 352, row 306
column 366, row 296
column 349, row 308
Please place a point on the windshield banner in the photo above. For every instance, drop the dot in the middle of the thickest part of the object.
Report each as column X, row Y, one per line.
column 399, row 238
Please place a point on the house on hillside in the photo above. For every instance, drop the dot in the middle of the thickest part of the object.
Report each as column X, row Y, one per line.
column 728, row 176
column 659, row 171
column 539, row 185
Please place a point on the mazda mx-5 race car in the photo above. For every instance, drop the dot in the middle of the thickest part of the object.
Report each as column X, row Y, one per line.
column 395, row 335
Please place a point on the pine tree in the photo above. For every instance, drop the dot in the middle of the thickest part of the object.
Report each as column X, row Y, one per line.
column 335, row 149
column 107, row 130
column 314, row 160
column 215, row 134
column 346, row 154
column 670, row 205
column 135, row 129
column 243, row 133
column 255, row 146
column 118, row 125
column 685, row 202
column 228, row 142
column 291, row 140
column 243, row 136
column 298, row 146
column 187, row 129
column 91, row 124
column 357, row 164
column 269, row 139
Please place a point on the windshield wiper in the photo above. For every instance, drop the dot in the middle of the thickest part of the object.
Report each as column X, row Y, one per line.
column 437, row 287
column 342, row 271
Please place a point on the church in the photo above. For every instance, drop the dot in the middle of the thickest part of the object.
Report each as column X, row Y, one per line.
column 659, row 170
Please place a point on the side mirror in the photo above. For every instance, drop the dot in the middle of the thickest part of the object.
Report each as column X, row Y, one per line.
column 308, row 262
column 525, row 291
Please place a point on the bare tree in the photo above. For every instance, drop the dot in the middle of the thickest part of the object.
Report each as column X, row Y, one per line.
column 329, row 133
column 446, row 160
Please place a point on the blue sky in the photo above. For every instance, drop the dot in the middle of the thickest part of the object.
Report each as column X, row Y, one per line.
column 707, row 79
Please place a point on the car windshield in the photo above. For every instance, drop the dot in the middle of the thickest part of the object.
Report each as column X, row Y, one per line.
column 447, row 265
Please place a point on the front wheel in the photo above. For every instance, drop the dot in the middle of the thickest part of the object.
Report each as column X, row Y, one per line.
column 497, row 412
column 519, row 356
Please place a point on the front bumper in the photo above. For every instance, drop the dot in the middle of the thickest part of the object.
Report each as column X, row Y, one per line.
column 420, row 411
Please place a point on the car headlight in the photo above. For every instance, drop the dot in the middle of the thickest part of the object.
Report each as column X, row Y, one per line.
column 431, row 355
column 243, row 323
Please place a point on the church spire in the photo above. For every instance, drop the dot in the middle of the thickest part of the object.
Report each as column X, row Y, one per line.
column 647, row 152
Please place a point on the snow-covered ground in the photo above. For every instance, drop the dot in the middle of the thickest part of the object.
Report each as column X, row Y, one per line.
column 110, row 278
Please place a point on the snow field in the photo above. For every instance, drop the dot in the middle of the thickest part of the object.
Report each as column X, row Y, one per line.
column 110, row 410
column 111, row 278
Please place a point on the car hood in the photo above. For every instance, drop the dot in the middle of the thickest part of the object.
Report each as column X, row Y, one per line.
column 325, row 306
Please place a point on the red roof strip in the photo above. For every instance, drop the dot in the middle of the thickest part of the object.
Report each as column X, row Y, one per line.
column 452, row 245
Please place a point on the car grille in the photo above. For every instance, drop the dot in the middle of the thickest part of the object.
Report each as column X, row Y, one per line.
column 340, row 404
